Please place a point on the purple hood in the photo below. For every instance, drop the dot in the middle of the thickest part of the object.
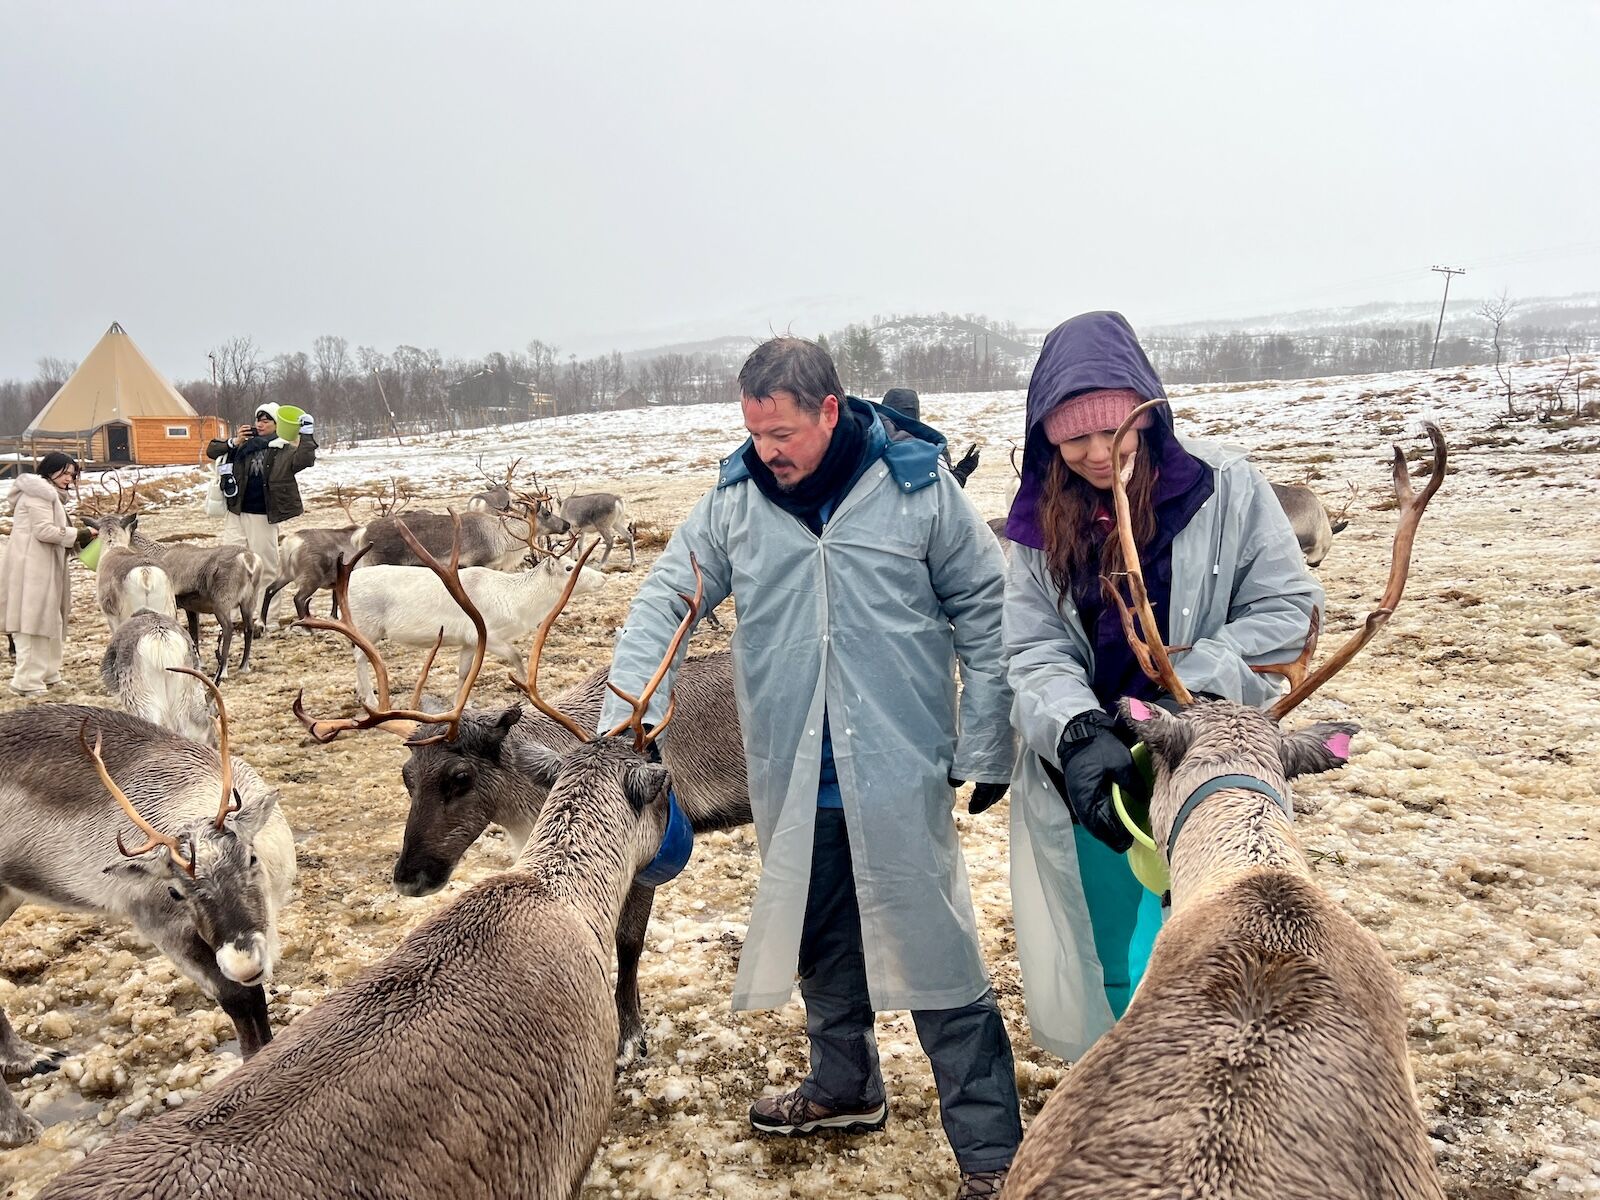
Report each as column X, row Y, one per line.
column 1092, row 350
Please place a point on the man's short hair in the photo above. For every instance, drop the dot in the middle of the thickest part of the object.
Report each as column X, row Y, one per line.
column 791, row 364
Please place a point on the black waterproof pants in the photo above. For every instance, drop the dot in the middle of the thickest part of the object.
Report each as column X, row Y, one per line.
column 967, row 1047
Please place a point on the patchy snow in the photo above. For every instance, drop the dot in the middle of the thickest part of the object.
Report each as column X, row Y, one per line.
column 1463, row 834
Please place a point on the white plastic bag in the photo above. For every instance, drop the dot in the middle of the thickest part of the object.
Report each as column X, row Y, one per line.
column 216, row 506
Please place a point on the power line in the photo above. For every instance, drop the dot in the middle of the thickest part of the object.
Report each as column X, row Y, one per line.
column 1446, row 272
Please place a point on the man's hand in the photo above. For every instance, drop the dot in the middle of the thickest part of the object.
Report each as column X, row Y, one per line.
column 967, row 465
column 984, row 795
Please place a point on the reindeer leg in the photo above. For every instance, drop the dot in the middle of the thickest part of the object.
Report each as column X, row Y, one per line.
column 268, row 597
column 18, row 1060
column 17, row 1128
column 249, row 639
column 631, row 928
column 194, row 628
column 607, row 536
column 302, row 606
column 225, row 644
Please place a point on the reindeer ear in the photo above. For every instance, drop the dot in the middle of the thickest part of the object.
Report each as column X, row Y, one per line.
column 537, row 761
column 1318, row 748
column 252, row 818
column 497, row 730
column 1167, row 736
column 646, row 783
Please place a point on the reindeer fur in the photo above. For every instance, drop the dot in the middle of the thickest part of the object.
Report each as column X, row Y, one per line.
column 58, row 847
column 1264, row 1052
column 135, row 671
column 458, row 788
column 474, row 1062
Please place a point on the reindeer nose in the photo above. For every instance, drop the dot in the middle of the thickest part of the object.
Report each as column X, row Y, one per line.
column 244, row 959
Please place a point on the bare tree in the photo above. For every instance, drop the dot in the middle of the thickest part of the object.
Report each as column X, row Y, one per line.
column 1495, row 311
column 240, row 378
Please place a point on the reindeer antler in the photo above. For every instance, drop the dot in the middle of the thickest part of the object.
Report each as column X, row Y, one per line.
column 231, row 800
column 1149, row 650
column 400, row 721
column 175, row 846
column 343, row 502
column 1411, row 509
column 641, row 739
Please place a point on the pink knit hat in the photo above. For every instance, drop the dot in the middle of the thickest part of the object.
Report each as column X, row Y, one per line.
column 1091, row 412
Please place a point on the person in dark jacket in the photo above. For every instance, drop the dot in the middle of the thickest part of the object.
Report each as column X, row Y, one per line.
column 1226, row 580
column 905, row 400
column 258, row 482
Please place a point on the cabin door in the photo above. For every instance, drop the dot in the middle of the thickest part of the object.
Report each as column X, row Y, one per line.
column 117, row 447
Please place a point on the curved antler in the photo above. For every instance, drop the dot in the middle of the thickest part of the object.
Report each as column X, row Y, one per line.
column 156, row 837
column 641, row 739
column 232, row 802
column 1149, row 650
column 536, row 652
column 1411, row 509
column 401, row 721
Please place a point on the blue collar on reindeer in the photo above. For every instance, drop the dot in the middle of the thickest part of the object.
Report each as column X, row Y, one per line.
column 1220, row 783
column 677, row 844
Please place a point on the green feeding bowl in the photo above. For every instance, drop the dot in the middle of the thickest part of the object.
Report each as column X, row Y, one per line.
column 1144, row 860
column 289, row 422
column 89, row 556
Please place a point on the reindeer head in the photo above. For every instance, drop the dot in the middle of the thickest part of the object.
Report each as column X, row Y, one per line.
column 1214, row 738
column 209, row 870
column 115, row 530
column 456, row 787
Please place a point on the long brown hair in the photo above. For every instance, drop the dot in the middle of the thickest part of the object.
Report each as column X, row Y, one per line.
column 1075, row 544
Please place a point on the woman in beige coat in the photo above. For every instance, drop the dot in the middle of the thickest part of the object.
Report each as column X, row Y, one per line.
column 38, row 594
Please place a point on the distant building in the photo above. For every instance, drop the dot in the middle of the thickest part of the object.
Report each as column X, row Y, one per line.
column 117, row 408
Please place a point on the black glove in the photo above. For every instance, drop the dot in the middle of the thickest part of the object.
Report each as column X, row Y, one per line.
column 652, row 752
column 1092, row 758
column 968, row 464
column 85, row 536
column 984, row 795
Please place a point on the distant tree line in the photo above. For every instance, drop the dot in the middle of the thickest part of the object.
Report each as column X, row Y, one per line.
column 361, row 392
column 1224, row 357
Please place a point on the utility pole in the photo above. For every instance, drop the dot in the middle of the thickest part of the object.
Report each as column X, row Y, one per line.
column 1446, row 272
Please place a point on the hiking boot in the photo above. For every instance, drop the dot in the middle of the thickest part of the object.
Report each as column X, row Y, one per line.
column 981, row 1185
column 793, row 1115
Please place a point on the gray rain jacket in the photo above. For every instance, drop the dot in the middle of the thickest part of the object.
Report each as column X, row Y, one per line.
column 1241, row 594
column 866, row 622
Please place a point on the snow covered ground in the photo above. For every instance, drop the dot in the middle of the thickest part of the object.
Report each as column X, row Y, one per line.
column 1463, row 834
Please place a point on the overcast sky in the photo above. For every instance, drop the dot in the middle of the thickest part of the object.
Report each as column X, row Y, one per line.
column 469, row 176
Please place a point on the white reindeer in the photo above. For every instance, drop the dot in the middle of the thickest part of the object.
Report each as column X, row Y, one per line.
column 411, row 606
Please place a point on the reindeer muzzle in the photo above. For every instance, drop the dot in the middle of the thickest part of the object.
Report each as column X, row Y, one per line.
column 677, row 845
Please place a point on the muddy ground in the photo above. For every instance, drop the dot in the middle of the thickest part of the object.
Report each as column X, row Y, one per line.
column 1463, row 834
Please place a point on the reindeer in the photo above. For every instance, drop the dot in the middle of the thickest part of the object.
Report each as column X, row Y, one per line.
column 222, row 581
column 205, row 887
column 604, row 512
column 460, row 785
column 487, row 539
column 1264, row 1052
column 127, row 579
column 136, row 670
column 473, row 1062
column 408, row 605
column 310, row 559
column 503, row 496
column 1309, row 519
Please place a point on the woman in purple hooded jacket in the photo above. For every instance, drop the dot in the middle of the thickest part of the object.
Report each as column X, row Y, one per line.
column 1226, row 578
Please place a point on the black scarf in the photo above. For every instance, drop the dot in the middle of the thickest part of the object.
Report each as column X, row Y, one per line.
column 842, row 464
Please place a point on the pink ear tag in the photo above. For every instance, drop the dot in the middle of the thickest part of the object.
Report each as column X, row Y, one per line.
column 1142, row 711
column 1338, row 745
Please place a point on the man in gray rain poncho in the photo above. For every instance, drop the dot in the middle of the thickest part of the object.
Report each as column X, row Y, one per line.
column 861, row 574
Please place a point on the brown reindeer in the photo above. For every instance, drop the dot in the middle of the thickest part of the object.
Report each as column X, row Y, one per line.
column 1264, row 1053
column 475, row 1061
